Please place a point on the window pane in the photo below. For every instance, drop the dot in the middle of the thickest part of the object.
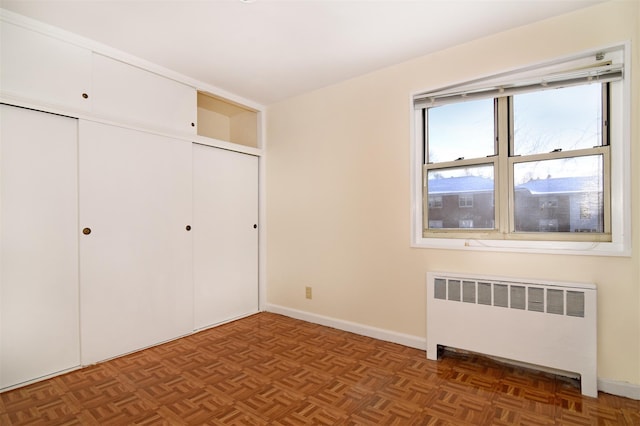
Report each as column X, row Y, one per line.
column 562, row 195
column 460, row 130
column 568, row 118
column 461, row 198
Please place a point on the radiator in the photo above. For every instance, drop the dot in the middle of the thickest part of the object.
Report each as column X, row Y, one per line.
column 540, row 323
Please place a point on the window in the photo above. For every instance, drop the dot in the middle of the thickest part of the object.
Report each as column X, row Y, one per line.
column 465, row 201
column 527, row 157
column 435, row 202
column 556, row 150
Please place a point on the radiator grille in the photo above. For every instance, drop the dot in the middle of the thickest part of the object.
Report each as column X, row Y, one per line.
column 555, row 301
column 536, row 299
column 511, row 295
column 575, row 303
column 484, row 293
column 469, row 291
column 453, row 289
column 518, row 298
column 501, row 295
column 440, row 288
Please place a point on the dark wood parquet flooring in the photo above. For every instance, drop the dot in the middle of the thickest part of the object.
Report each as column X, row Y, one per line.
column 268, row 369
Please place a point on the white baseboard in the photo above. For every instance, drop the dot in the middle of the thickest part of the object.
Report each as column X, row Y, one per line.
column 352, row 327
column 624, row 389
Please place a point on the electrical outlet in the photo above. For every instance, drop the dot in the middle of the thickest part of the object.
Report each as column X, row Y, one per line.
column 307, row 292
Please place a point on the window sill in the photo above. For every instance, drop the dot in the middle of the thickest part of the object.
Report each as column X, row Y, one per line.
column 520, row 246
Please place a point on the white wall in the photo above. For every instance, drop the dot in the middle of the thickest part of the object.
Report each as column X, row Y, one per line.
column 339, row 198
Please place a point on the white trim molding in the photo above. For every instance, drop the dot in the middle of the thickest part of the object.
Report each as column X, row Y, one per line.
column 624, row 389
column 416, row 342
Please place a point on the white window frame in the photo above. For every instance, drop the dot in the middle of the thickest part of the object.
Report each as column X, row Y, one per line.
column 620, row 136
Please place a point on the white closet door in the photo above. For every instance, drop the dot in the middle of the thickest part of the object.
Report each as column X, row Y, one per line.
column 136, row 263
column 225, row 241
column 39, row 257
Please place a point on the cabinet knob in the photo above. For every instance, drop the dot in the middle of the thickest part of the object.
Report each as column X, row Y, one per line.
column 193, row 124
column 255, row 226
column 188, row 228
column 86, row 231
column 84, row 95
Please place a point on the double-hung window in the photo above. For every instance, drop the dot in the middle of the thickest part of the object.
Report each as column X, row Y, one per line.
column 525, row 156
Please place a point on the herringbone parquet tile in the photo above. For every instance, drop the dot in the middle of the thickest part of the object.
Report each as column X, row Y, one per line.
column 272, row 370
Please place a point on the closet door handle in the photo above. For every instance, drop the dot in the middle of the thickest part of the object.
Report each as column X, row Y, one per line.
column 188, row 228
column 86, row 231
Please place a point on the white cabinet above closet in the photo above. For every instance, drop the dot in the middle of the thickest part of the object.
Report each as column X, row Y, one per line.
column 36, row 67
column 127, row 94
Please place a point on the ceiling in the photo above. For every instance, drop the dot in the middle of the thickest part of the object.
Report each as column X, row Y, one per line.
column 268, row 50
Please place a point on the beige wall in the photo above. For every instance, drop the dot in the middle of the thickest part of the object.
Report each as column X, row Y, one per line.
column 213, row 124
column 244, row 128
column 339, row 201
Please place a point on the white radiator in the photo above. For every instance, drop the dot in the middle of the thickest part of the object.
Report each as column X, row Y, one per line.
column 537, row 322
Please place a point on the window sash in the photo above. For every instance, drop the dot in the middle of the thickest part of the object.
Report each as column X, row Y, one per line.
column 604, row 103
column 604, row 151
column 448, row 232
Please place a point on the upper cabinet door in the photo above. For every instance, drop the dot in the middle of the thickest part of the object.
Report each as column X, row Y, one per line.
column 125, row 93
column 43, row 69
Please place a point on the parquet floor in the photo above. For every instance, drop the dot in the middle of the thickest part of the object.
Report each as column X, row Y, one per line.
column 272, row 370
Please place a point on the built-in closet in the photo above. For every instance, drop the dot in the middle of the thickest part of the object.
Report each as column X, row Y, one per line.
column 129, row 204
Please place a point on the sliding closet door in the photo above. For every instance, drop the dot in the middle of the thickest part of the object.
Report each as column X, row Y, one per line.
column 39, row 251
column 136, row 247
column 225, row 209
